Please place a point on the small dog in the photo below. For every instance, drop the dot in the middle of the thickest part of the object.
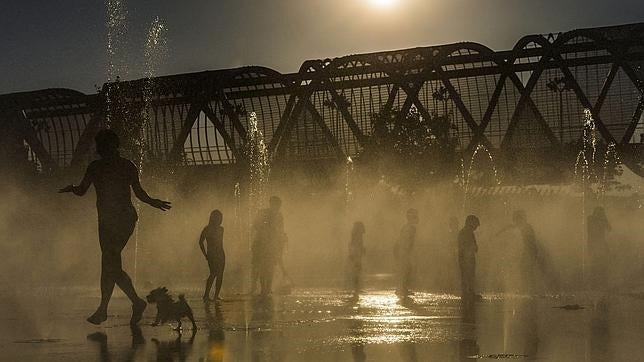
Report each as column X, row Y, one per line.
column 168, row 309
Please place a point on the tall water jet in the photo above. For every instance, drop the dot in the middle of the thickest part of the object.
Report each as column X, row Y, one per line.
column 584, row 165
column 348, row 183
column 116, row 23
column 257, row 154
column 155, row 51
column 259, row 168
column 237, row 210
column 611, row 159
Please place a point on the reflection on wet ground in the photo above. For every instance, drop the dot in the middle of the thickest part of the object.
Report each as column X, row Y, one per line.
column 329, row 325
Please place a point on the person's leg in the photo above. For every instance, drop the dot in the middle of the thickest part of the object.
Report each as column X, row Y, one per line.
column 265, row 277
column 121, row 278
column 209, row 281
column 282, row 267
column 107, row 280
column 220, row 277
column 107, row 287
column 469, row 282
column 270, row 270
column 255, row 270
column 356, row 279
column 212, row 267
column 406, row 274
column 218, row 283
column 122, row 233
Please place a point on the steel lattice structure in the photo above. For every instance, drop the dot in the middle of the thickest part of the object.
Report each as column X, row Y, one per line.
column 530, row 97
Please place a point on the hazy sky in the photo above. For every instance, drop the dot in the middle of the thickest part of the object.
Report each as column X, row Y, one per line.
column 61, row 43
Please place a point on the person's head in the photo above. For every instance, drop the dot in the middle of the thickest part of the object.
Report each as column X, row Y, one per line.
column 412, row 216
column 275, row 203
column 358, row 228
column 216, row 217
column 107, row 143
column 472, row 222
column 519, row 217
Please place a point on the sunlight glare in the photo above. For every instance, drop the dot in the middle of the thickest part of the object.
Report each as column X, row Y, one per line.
column 383, row 4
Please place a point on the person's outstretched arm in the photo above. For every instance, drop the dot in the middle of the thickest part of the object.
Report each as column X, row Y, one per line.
column 143, row 196
column 202, row 238
column 81, row 189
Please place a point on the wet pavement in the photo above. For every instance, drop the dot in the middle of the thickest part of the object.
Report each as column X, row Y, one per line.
column 328, row 325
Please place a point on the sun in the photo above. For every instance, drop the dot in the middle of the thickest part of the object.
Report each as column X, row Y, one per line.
column 383, row 4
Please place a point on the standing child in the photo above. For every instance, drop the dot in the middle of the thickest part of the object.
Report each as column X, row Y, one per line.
column 356, row 252
column 213, row 233
column 467, row 249
column 404, row 251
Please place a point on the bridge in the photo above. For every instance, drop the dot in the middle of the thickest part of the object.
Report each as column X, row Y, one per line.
column 530, row 98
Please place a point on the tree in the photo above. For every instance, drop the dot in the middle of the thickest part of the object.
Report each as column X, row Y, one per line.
column 409, row 148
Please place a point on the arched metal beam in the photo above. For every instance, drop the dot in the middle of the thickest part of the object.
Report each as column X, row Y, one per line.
column 29, row 134
column 525, row 99
column 221, row 128
column 84, row 144
column 186, row 128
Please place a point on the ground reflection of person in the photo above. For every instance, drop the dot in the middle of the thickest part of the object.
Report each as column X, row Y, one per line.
column 216, row 335
column 468, row 347
column 356, row 329
column 404, row 250
column 467, row 249
column 268, row 244
column 598, row 249
column 113, row 176
column 104, row 354
column 213, row 233
column 356, row 252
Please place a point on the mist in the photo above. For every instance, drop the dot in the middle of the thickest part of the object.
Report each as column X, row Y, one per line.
column 52, row 238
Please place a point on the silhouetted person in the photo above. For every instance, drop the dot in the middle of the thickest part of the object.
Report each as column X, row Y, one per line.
column 213, row 233
column 533, row 257
column 281, row 245
column 269, row 234
column 113, row 176
column 598, row 249
column 356, row 252
column 467, row 249
column 404, row 250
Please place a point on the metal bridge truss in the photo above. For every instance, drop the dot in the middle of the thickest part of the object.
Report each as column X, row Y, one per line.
column 531, row 97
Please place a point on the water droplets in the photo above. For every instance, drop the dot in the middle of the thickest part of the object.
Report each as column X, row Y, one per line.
column 257, row 153
column 348, row 182
column 466, row 178
column 116, row 23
